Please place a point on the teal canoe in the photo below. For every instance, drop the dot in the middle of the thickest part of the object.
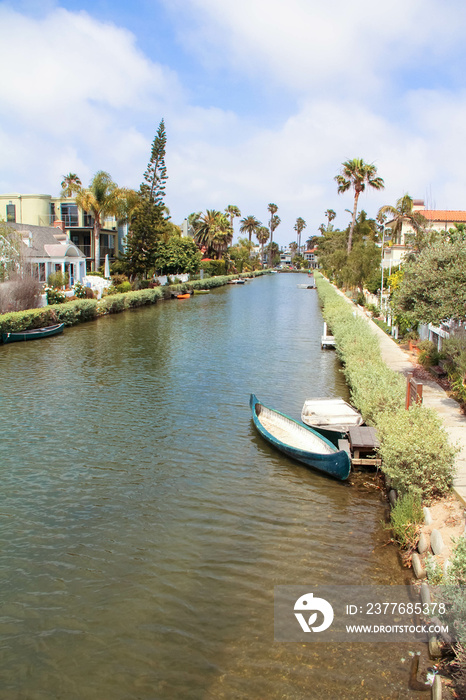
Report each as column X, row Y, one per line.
column 33, row 334
column 299, row 442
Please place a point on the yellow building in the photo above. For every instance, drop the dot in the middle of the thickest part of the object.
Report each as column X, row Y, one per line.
column 61, row 212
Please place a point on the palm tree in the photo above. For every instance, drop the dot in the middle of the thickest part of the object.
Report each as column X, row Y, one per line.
column 214, row 231
column 70, row 185
column 402, row 212
column 232, row 211
column 103, row 198
column 330, row 214
column 249, row 225
column 272, row 208
column 299, row 227
column 357, row 174
column 262, row 235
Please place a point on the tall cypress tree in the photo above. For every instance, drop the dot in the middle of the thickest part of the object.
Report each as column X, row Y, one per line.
column 148, row 223
column 155, row 177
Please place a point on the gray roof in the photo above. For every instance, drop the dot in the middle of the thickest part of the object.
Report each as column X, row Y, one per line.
column 47, row 242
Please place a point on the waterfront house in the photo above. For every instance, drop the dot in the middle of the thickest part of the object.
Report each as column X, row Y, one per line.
column 395, row 249
column 48, row 249
column 285, row 257
column 310, row 256
column 44, row 210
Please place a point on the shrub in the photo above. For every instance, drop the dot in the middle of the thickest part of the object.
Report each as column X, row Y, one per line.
column 406, row 518
column 416, row 453
column 73, row 312
column 123, row 287
column 457, row 568
column 414, row 447
column 453, row 593
column 119, row 302
column 144, row 284
column 82, row 292
column 118, row 279
column 360, row 299
column 213, row 267
column 19, row 293
column 454, row 349
column 27, row 320
column 54, row 296
column 372, row 308
column 411, row 335
column 112, row 304
column 57, row 280
column 434, row 571
column 70, row 313
column 428, row 355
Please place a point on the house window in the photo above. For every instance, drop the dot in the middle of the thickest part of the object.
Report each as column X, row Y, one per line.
column 69, row 214
column 88, row 220
column 107, row 241
column 53, row 215
column 11, row 213
column 42, row 275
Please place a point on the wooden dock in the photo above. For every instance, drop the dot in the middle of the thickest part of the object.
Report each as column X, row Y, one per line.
column 327, row 341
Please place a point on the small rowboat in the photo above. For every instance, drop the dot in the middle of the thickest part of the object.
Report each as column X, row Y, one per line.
column 183, row 296
column 33, row 334
column 331, row 417
column 299, row 442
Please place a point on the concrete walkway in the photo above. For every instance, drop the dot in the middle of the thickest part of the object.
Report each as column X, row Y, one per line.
column 434, row 397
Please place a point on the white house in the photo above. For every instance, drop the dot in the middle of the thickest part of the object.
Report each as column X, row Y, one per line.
column 311, row 256
column 47, row 249
column 394, row 251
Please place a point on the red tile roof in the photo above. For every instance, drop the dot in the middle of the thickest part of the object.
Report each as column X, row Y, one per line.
column 439, row 215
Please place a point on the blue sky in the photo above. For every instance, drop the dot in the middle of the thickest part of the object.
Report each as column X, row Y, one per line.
column 262, row 101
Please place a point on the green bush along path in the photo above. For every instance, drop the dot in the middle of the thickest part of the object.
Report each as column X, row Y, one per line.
column 423, row 449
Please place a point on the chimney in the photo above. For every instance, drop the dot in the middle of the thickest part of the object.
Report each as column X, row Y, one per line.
column 59, row 224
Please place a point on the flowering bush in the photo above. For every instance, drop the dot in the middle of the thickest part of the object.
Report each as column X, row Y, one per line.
column 54, row 296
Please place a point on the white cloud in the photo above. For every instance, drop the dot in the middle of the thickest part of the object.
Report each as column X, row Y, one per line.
column 79, row 95
column 305, row 44
column 73, row 87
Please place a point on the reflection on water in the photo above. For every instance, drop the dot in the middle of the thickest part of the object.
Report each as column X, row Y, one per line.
column 144, row 523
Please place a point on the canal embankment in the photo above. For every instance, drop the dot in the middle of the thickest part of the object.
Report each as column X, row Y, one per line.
column 78, row 311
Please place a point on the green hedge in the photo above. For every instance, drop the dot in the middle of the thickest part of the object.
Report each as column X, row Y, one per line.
column 114, row 303
column 70, row 313
column 415, row 449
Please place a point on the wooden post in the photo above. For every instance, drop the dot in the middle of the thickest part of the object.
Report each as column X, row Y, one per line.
column 413, row 391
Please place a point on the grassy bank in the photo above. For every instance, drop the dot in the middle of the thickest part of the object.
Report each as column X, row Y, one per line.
column 415, row 449
column 82, row 310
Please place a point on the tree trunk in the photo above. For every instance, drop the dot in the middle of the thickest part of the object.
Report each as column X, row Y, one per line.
column 97, row 228
column 353, row 221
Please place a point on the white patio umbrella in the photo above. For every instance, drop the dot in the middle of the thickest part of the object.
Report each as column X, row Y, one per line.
column 107, row 268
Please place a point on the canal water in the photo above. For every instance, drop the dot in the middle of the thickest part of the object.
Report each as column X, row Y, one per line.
column 144, row 523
